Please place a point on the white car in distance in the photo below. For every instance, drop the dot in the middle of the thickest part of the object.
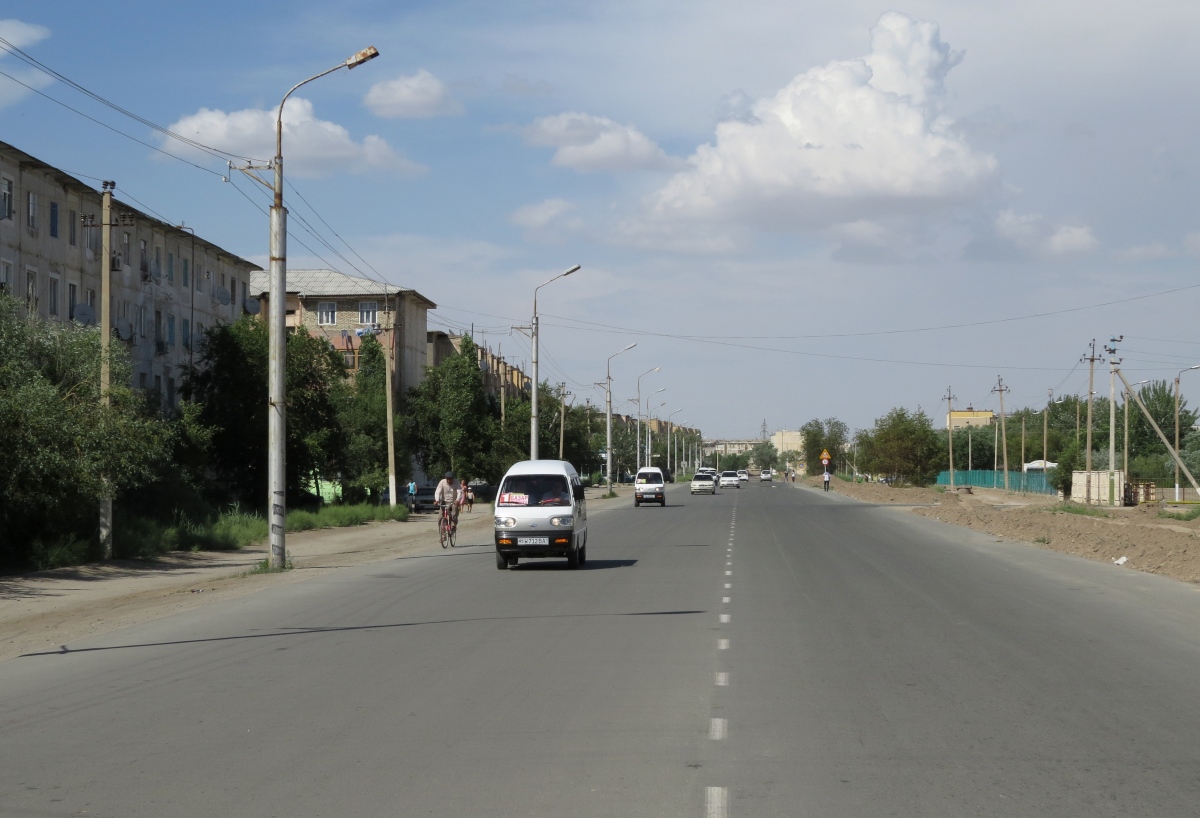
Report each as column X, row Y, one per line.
column 765, row 476
column 743, row 475
column 704, row 483
column 730, row 480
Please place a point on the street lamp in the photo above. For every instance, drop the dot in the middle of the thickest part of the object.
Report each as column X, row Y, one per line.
column 608, row 407
column 1179, row 496
column 533, row 413
column 652, row 394
column 670, row 438
column 277, row 329
column 650, row 429
column 639, row 417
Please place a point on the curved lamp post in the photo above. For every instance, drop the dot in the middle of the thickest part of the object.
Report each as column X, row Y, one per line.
column 277, row 329
column 533, row 413
column 639, row 417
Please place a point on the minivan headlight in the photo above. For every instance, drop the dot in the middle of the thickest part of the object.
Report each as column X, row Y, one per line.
column 506, row 522
column 562, row 521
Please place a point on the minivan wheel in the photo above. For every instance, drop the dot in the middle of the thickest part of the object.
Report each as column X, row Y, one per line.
column 573, row 558
column 637, row 503
column 512, row 562
column 583, row 555
column 501, row 561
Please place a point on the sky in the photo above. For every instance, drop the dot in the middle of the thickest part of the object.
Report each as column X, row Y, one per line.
column 796, row 210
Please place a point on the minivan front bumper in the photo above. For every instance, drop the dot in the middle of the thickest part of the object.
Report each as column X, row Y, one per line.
column 513, row 542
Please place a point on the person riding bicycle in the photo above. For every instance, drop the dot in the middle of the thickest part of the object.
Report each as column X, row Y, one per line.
column 446, row 497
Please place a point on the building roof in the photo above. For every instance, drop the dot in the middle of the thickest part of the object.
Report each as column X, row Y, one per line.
column 314, row 283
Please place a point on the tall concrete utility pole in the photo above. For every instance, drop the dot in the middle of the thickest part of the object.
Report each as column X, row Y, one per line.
column 1001, row 388
column 562, row 417
column 533, row 408
column 1112, row 418
column 950, row 431
column 1091, row 359
column 106, row 341
column 277, row 328
column 387, row 379
column 1178, row 495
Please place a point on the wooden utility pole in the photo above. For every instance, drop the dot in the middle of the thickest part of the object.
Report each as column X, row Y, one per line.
column 1001, row 389
column 1112, row 418
column 949, row 432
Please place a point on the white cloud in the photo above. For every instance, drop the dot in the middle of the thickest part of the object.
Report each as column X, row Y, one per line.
column 540, row 215
column 1030, row 233
column 851, row 138
column 419, row 96
column 22, row 35
column 311, row 146
column 593, row 143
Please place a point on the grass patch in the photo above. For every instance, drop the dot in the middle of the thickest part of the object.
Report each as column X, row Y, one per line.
column 58, row 552
column 264, row 567
column 1190, row 514
column 1083, row 511
column 608, row 496
column 1042, row 540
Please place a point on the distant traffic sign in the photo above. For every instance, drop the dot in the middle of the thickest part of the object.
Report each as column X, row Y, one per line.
column 824, row 455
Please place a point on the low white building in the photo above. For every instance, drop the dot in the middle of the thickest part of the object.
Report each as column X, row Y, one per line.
column 168, row 284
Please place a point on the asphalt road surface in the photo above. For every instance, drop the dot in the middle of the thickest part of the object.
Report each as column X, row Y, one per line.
column 770, row 651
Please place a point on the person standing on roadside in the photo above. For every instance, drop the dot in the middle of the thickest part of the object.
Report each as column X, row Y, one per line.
column 826, row 476
column 412, row 495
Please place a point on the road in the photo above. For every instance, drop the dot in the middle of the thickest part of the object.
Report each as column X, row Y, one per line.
column 770, row 651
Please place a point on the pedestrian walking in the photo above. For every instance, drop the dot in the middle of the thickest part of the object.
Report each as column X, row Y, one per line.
column 827, row 475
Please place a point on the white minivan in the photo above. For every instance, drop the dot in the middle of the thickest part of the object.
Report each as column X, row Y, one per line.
column 540, row 512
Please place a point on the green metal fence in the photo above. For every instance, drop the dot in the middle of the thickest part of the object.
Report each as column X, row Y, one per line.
column 1027, row 482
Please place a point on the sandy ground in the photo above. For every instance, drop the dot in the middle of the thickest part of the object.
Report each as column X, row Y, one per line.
column 1149, row 542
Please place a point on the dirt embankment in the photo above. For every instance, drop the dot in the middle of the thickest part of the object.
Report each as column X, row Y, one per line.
column 1147, row 541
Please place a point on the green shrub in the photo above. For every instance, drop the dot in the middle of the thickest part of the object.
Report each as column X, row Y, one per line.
column 58, row 552
column 302, row 521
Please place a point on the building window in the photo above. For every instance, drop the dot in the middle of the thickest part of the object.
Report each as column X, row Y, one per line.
column 31, row 205
column 186, row 332
column 91, row 298
column 141, row 380
column 72, row 297
column 54, row 219
column 326, row 312
column 141, row 321
column 72, row 220
column 368, row 312
column 171, row 267
column 52, row 296
column 143, row 257
column 5, row 275
column 158, row 384
column 171, row 330
column 31, row 292
column 187, row 274
column 6, row 198
column 158, row 326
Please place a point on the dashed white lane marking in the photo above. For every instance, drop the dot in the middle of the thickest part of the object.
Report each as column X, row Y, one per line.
column 724, row 619
column 716, row 802
column 725, row 600
column 728, row 573
column 728, row 585
column 722, row 644
column 728, row 562
column 722, row 680
column 718, row 729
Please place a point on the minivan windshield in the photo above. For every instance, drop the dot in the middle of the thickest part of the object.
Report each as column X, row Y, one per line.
column 534, row 490
column 649, row 477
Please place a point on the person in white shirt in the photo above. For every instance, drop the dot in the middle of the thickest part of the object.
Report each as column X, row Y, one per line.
column 446, row 496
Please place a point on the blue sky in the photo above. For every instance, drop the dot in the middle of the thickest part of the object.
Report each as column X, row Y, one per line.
column 730, row 176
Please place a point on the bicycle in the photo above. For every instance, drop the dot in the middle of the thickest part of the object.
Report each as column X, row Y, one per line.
column 447, row 528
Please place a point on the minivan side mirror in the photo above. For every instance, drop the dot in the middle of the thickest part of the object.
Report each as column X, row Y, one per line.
column 577, row 491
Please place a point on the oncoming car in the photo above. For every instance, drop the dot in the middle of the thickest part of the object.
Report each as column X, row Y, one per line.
column 730, row 480
column 649, row 486
column 704, row 484
column 743, row 475
column 765, row 476
column 540, row 512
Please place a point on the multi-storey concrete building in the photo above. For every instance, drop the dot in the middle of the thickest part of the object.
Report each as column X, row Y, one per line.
column 168, row 284
column 498, row 374
column 343, row 308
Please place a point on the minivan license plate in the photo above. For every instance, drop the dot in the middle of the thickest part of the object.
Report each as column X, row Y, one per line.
column 533, row 540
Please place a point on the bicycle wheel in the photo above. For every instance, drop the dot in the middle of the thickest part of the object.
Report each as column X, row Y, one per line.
column 443, row 530
column 453, row 533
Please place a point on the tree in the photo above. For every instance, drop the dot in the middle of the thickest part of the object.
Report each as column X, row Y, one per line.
column 904, row 445
column 831, row 436
column 229, row 381
column 764, row 455
column 61, row 452
column 362, row 413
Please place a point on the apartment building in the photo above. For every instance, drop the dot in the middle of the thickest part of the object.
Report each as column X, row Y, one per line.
column 344, row 309
column 168, row 284
column 498, row 374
